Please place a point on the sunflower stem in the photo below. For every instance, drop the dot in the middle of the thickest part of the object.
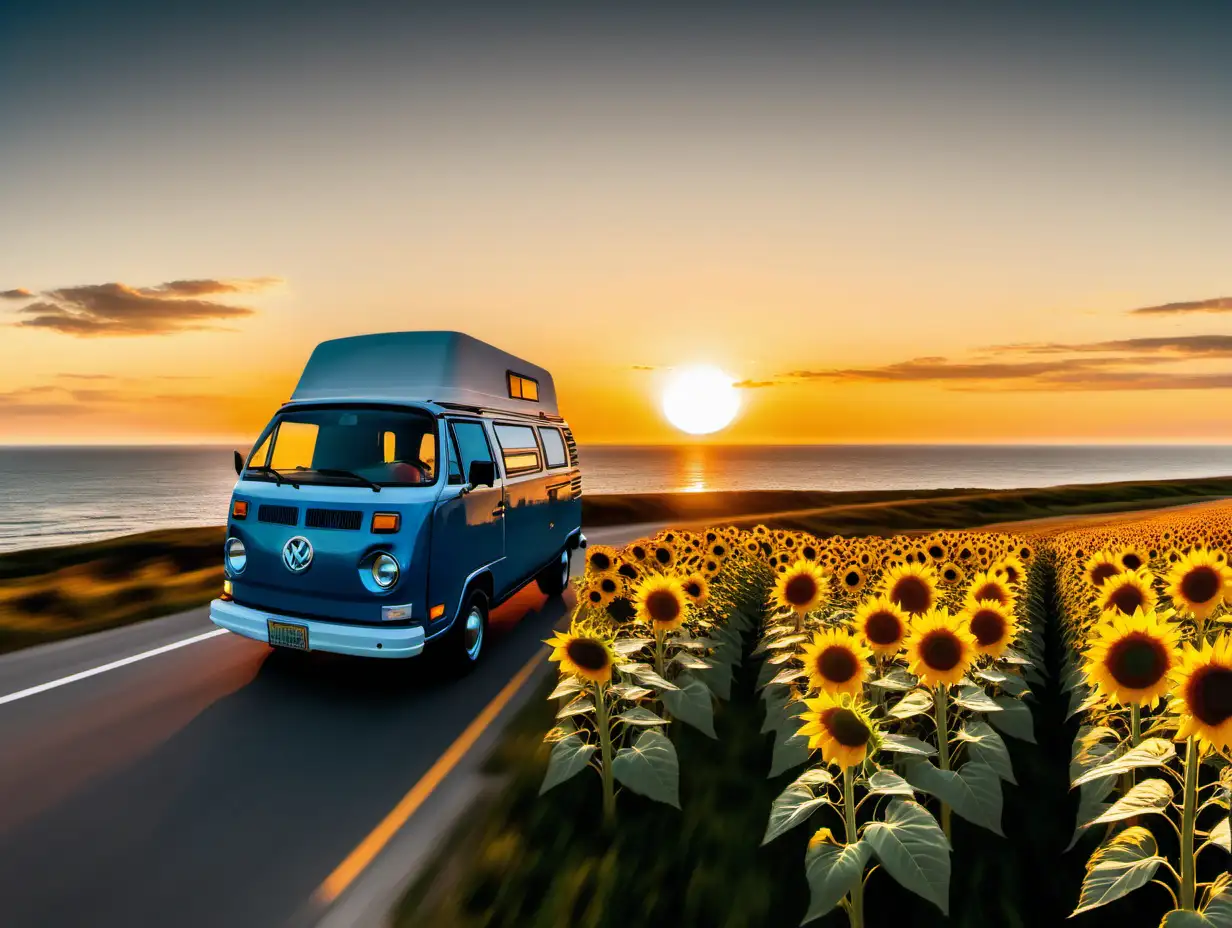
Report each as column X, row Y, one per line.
column 1188, row 815
column 855, row 912
column 660, row 635
column 605, row 752
column 943, row 746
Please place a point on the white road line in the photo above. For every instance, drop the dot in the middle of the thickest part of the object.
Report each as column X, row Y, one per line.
column 94, row 671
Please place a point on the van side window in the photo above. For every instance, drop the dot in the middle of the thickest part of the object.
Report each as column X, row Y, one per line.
column 455, row 467
column 472, row 443
column 553, row 447
column 519, row 448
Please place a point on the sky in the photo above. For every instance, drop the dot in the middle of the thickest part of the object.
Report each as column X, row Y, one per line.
column 912, row 223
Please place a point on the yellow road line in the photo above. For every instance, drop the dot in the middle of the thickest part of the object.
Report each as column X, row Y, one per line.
column 363, row 855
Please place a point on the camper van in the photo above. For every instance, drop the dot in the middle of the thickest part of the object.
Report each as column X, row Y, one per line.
column 413, row 482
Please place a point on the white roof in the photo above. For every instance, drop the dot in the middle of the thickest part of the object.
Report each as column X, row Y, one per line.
column 442, row 367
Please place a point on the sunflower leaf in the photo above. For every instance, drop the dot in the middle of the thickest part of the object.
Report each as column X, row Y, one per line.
column 1124, row 863
column 903, row 744
column 786, row 641
column 765, row 674
column 781, row 658
column 789, row 675
column 569, row 757
column 1143, row 798
column 973, row 791
column 719, row 679
column 789, row 751
column 690, row 662
column 1218, row 907
column 1014, row 719
column 1153, row 752
column 975, row 699
column 650, row 767
column 650, row 678
column 914, row 703
column 792, row 807
column 889, row 783
column 626, row 646
column 1183, row 918
column 987, row 747
column 639, row 716
column 832, row 871
column 577, row 707
column 692, row 702
column 1221, row 835
column 1010, row 656
column 629, row 691
column 567, row 687
column 913, row 849
column 1091, row 805
column 896, row 679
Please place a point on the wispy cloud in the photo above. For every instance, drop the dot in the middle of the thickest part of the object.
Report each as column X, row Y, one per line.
column 1218, row 304
column 643, row 367
column 754, row 384
column 19, row 293
column 118, row 309
column 1208, row 346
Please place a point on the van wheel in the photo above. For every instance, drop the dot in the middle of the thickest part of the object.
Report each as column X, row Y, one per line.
column 554, row 579
column 464, row 643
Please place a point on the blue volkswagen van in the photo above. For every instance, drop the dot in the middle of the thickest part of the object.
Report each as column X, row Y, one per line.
column 413, row 481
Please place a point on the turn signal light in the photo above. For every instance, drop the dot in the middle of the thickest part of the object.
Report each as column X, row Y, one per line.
column 383, row 523
column 437, row 611
column 226, row 591
column 239, row 509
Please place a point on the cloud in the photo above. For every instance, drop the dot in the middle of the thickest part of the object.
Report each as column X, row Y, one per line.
column 1218, row 304
column 18, row 294
column 118, row 309
column 643, row 367
column 1208, row 346
column 754, row 384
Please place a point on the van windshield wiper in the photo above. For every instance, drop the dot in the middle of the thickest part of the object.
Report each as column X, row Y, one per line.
column 279, row 479
column 334, row 472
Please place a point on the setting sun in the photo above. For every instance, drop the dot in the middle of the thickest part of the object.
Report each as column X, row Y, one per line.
column 701, row 400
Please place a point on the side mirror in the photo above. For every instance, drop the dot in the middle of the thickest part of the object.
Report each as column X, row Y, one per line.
column 239, row 463
column 482, row 474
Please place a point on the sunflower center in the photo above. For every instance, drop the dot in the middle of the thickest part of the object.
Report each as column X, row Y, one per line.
column 800, row 589
column 1209, row 694
column 882, row 628
column 848, row 729
column 912, row 594
column 809, row 553
column 628, row 570
column 1131, row 560
column 941, row 650
column 600, row 561
column 837, row 664
column 852, row 578
column 991, row 591
column 935, row 552
column 1101, row 572
column 1011, row 573
column 663, row 555
column 1137, row 661
column 608, row 585
column 988, row 626
column 662, row 606
column 587, row 653
column 1127, row 598
column 693, row 588
column 1200, row 584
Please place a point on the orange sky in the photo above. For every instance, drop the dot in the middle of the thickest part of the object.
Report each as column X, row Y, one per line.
column 908, row 234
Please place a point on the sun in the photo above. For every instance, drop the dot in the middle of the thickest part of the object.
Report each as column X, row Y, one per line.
column 701, row 400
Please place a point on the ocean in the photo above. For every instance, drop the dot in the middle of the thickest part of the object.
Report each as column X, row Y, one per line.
column 62, row 495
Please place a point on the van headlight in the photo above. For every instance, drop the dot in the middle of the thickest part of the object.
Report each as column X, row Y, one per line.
column 385, row 571
column 236, row 555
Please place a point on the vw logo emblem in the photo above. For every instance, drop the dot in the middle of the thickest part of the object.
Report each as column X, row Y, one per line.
column 297, row 554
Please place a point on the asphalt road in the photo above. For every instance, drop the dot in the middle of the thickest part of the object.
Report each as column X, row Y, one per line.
column 219, row 783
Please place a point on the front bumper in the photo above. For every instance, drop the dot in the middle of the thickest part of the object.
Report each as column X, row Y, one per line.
column 337, row 637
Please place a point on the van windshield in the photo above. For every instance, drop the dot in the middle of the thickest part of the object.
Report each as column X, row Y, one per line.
column 385, row 447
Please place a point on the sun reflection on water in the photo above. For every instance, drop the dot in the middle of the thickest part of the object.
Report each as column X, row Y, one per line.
column 691, row 470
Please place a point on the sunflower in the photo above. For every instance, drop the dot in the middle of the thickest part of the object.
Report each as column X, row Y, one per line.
column 697, row 589
column 837, row 662
column 718, row 549
column 600, row 559
column 987, row 585
column 1100, row 567
column 801, row 587
column 940, row 648
column 1132, row 558
column 631, row 572
column 1129, row 657
column 592, row 594
column 883, row 625
column 637, row 552
column 992, row 625
column 950, row 574
column 912, row 587
column 663, row 554
column 840, row 728
column 851, row 579
column 1202, row 693
column 661, row 601
column 1199, row 583
column 1128, row 591
column 1012, row 567
column 583, row 653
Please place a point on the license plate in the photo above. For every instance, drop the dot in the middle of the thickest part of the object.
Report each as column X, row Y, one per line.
column 287, row 635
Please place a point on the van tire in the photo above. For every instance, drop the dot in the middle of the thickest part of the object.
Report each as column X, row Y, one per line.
column 553, row 580
column 463, row 650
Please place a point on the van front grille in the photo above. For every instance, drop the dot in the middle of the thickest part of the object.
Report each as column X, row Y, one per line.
column 347, row 519
column 572, row 446
column 280, row 515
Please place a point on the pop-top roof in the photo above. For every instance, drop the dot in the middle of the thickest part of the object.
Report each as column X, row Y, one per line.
column 443, row 367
